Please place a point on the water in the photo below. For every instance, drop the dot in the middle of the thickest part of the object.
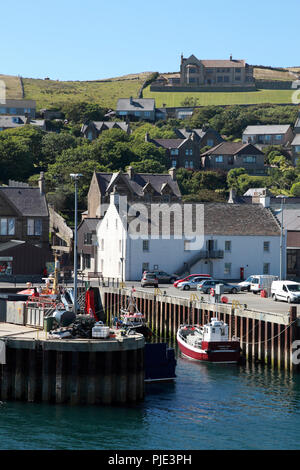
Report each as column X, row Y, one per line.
column 208, row 407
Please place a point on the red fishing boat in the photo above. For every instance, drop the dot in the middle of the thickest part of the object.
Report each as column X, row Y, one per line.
column 208, row 343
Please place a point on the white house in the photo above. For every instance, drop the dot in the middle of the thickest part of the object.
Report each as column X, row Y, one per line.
column 213, row 238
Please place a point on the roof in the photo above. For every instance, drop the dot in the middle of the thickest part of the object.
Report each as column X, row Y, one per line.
column 9, row 121
column 104, row 125
column 267, row 129
column 138, row 182
column 11, row 244
column 217, row 219
column 169, row 143
column 297, row 123
column 28, row 201
column 90, row 223
column 223, row 63
column 296, row 140
column 231, row 148
column 256, row 192
column 291, row 218
column 19, row 103
column 136, row 104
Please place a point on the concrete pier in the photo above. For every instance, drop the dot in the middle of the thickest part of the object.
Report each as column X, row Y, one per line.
column 76, row 371
column 265, row 337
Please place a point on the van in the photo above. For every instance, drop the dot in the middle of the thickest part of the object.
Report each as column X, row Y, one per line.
column 288, row 291
column 262, row 282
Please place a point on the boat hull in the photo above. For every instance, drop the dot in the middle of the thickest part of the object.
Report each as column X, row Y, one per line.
column 220, row 352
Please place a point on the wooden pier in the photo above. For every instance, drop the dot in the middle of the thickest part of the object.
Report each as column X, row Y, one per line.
column 264, row 337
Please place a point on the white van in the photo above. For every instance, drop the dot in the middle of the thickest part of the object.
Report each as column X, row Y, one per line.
column 262, row 282
column 288, row 291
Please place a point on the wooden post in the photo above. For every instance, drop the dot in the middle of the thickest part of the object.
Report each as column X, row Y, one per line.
column 292, row 335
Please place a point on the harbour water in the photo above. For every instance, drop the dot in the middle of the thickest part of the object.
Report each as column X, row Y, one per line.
column 209, row 406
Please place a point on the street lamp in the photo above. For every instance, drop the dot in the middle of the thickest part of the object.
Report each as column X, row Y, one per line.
column 281, row 235
column 75, row 177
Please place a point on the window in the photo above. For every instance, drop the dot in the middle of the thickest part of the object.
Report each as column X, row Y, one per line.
column 191, row 164
column 174, row 163
column 90, row 135
column 27, row 110
column 166, row 198
column 237, row 70
column 249, row 159
column 145, row 267
column 226, row 79
column 137, row 113
column 266, row 246
column 123, row 113
column 189, row 151
column 2, row 110
column 186, row 164
column 267, row 138
column 238, row 78
column 192, row 80
column 7, row 226
column 219, row 159
column 147, row 114
column 12, row 110
column 86, row 261
column 87, row 239
column 174, row 151
column 220, row 79
column 297, row 148
column 210, row 142
column 228, row 245
column 34, row 227
column 227, row 268
column 145, row 245
column 278, row 137
column 266, row 269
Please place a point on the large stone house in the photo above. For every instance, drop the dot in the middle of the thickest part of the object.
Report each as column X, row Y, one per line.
column 180, row 153
column 137, row 187
column 221, row 73
column 228, row 155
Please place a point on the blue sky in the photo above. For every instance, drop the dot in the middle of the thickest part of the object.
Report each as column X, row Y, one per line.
column 94, row 39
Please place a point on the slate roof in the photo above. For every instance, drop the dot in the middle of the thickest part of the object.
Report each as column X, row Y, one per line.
column 28, row 201
column 169, row 143
column 8, row 121
column 90, row 224
column 104, row 125
column 267, row 129
column 221, row 219
column 137, row 104
column 138, row 182
column 224, row 63
column 231, row 148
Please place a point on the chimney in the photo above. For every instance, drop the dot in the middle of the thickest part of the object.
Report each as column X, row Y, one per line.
column 114, row 197
column 42, row 183
column 172, row 173
column 27, row 118
column 130, row 100
column 147, row 137
column 230, row 57
column 130, row 172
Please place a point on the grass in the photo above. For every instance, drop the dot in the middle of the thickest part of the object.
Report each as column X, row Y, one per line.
column 172, row 99
column 269, row 74
column 52, row 93
column 13, row 87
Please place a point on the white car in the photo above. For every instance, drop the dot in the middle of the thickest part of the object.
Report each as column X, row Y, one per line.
column 288, row 291
column 246, row 285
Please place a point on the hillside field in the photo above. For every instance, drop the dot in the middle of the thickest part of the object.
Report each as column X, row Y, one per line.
column 174, row 99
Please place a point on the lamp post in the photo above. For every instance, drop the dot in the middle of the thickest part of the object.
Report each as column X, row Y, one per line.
column 75, row 177
column 281, row 236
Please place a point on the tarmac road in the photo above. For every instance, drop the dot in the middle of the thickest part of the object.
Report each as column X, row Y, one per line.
column 253, row 301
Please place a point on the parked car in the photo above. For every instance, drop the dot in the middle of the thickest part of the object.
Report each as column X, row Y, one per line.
column 205, row 286
column 288, row 291
column 246, row 285
column 149, row 279
column 262, row 282
column 190, row 277
column 190, row 284
column 163, row 277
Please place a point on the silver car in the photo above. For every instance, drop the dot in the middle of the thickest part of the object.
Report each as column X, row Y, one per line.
column 205, row 287
column 190, row 285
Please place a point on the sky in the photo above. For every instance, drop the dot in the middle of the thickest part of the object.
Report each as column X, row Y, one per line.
column 96, row 39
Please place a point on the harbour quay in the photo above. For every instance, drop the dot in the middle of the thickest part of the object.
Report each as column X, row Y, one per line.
column 36, row 368
column 265, row 337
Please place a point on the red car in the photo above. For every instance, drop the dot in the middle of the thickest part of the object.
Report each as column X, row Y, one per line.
column 191, row 276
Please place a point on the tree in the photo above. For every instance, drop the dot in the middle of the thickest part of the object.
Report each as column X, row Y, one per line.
column 232, row 177
column 53, row 144
column 295, row 189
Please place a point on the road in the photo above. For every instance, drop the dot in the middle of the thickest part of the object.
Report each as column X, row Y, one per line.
column 253, row 301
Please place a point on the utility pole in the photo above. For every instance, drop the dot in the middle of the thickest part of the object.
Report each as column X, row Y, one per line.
column 75, row 177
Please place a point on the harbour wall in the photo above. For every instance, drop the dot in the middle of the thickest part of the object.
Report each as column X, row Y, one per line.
column 264, row 337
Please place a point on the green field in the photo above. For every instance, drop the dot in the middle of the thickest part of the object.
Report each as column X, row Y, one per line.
column 172, row 99
column 52, row 93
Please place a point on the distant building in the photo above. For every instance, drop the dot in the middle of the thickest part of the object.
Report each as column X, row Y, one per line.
column 18, row 108
column 136, row 108
column 295, row 145
column 228, row 155
column 264, row 135
column 92, row 129
column 14, row 122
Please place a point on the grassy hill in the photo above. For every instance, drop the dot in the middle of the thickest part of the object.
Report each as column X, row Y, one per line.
column 52, row 93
